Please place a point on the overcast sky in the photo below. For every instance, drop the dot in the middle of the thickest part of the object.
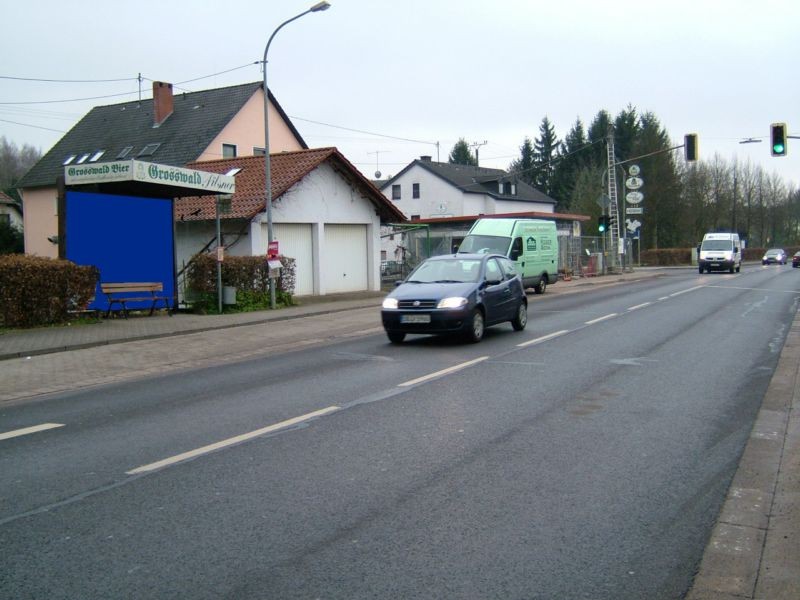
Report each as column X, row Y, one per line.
column 426, row 71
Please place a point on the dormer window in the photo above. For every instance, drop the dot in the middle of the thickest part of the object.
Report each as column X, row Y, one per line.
column 96, row 156
column 124, row 152
column 149, row 150
column 69, row 159
column 82, row 159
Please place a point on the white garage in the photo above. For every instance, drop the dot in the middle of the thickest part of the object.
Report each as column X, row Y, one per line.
column 325, row 214
column 345, row 260
column 295, row 241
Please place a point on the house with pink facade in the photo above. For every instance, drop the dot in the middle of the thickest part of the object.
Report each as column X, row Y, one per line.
column 170, row 129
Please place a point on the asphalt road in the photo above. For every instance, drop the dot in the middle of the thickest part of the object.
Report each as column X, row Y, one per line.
column 586, row 457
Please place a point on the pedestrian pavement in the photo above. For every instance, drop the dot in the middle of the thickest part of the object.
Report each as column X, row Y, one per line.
column 754, row 549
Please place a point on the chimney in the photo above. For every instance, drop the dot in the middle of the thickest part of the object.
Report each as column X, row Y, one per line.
column 162, row 102
column 425, row 158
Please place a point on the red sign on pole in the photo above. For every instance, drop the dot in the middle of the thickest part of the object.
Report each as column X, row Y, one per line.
column 272, row 249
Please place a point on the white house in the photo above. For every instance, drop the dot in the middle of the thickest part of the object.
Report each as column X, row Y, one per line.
column 426, row 190
column 326, row 215
column 10, row 212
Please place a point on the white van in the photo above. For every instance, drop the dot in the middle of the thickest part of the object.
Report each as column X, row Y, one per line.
column 531, row 243
column 720, row 251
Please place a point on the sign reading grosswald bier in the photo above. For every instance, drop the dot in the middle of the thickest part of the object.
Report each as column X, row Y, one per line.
column 137, row 170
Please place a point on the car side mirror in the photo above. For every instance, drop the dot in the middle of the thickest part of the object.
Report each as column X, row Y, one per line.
column 736, row 249
column 398, row 283
column 514, row 255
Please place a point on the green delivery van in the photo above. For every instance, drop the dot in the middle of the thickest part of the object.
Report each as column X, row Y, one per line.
column 531, row 243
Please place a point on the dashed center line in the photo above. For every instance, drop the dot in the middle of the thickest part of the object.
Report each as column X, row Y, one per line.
column 638, row 306
column 230, row 441
column 604, row 318
column 28, row 430
column 452, row 369
column 544, row 338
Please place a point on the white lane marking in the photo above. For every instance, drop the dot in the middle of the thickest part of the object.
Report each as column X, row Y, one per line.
column 664, row 298
column 605, row 318
column 447, row 371
column 699, row 287
column 638, row 306
column 544, row 338
column 230, row 441
column 27, row 430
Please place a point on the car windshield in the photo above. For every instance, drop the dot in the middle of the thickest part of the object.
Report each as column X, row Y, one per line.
column 716, row 245
column 454, row 270
column 484, row 244
column 774, row 252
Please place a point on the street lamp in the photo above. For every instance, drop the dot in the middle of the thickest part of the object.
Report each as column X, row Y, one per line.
column 319, row 6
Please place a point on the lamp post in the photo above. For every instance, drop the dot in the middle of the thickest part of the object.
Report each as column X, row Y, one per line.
column 319, row 6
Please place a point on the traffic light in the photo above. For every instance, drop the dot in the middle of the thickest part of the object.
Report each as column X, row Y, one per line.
column 690, row 150
column 777, row 138
column 603, row 221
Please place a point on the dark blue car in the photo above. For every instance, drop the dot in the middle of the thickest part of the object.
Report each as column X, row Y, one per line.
column 456, row 294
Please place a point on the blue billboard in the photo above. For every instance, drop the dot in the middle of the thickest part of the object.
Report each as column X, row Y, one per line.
column 129, row 238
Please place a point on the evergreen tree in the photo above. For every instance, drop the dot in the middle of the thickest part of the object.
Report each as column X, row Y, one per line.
column 598, row 130
column 523, row 167
column 573, row 156
column 461, row 154
column 545, row 153
column 626, row 131
column 666, row 219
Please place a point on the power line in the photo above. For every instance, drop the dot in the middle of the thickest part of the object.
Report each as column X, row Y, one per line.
column 383, row 135
column 30, row 102
column 34, row 126
column 67, row 80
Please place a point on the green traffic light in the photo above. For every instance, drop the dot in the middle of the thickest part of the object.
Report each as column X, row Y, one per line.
column 778, row 138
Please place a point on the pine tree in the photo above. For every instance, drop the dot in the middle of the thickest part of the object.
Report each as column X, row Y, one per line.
column 572, row 157
column 545, row 152
column 461, row 154
column 523, row 167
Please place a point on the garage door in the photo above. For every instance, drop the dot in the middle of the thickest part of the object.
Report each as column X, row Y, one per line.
column 345, row 258
column 295, row 242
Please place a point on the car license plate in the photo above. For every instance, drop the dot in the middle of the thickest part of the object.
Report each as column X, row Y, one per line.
column 415, row 318
column 714, row 264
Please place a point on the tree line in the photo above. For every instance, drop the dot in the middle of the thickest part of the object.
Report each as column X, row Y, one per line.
column 682, row 201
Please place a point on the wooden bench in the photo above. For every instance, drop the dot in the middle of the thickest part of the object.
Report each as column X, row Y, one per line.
column 120, row 293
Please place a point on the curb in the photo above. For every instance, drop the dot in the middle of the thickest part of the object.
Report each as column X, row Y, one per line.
column 753, row 552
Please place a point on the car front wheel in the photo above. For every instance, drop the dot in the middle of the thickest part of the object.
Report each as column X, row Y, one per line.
column 476, row 327
column 521, row 319
column 396, row 337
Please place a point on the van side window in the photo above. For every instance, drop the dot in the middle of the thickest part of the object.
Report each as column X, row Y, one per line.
column 516, row 249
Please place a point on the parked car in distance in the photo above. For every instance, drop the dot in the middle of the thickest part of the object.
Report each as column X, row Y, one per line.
column 796, row 260
column 458, row 294
column 774, row 256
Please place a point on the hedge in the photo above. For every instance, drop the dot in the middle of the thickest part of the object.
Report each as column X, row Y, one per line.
column 248, row 274
column 666, row 257
column 43, row 291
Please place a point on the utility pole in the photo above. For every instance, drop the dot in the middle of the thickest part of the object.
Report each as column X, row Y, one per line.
column 477, row 146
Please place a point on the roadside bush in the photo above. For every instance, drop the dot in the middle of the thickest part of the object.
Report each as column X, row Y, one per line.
column 248, row 274
column 43, row 291
column 667, row 257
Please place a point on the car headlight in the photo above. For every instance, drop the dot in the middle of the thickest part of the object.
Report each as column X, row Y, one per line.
column 764, row 257
column 453, row 302
column 390, row 303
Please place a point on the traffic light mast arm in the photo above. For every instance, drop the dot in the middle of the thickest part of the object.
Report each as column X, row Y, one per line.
column 622, row 162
